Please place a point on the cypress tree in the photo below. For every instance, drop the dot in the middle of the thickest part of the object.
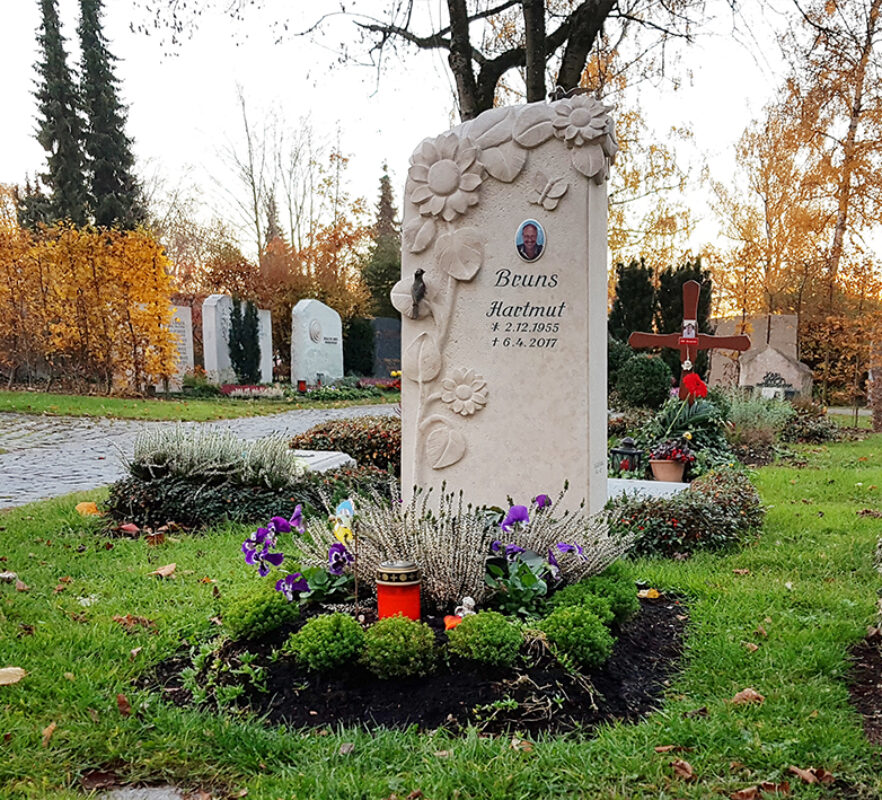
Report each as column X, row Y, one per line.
column 634, row 306
column 59, row 127
column 669, row 311
column 382, row 269
column 116, row 194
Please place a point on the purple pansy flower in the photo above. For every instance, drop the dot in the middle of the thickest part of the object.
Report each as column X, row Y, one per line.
column 263, row 559
column 297, row 519
column 279, row 525
column 563, row 547
column 338, row 558
column 496, row 546
column 512, row 551
column 542, row 501
column 552, row 563
column 260, row 537
column 291, row 585
column 516, row 515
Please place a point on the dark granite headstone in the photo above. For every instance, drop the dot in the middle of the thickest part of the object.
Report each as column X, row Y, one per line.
column 387, row 346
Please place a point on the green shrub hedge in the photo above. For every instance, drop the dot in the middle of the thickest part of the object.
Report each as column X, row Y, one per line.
column 579, row 634
column 487, row 637
column 718, row 509
column 327, row 642
column 396, row 647
column 644, row 381
column 257, row 609
column 371, row 441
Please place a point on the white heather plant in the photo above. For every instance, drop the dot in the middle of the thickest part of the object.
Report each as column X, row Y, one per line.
column 194, row 453
column 451, row 544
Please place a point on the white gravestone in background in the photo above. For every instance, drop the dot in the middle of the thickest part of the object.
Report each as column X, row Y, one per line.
column 216, row 313
column 504, row 359
column 181, row 326
column 316, row 342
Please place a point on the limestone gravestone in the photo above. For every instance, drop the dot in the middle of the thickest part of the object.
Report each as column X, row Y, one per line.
column 503, row 298
column 387, row 346
column 216, row 312
column 316, row 343
column 181, row 326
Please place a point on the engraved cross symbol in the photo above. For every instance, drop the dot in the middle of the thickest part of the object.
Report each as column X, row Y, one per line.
column 689, row 341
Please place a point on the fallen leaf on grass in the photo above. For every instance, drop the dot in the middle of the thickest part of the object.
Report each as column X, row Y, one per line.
column 775, row 788
column 649, row 594
column 733, row 765
column 750, row 793
column 683, row 769
column 346, row 748
column 869, row 512
column 70, row 676
column 443, row 753
column 47, row 733
column 122, row 703
column 129, row 528
column 7, row 577
column 10, row 675
column 7, row 738
column 698, row 712
column 673, row 748
column 133, row 654
column 741, row 571
column 206, row 579
column 750, row 646
column 761, row 631
column 87, row 509
column 62, row 586
column 748, row 695
column 93, row 714
column 164, row 572
column 199, row 794
column 21, row 586
column 155, row 539
column 24, row 629
column 98, row 779
column 130, row 622
column 521, row 744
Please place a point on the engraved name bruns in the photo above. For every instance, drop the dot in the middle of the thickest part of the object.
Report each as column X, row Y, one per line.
column 505, row 277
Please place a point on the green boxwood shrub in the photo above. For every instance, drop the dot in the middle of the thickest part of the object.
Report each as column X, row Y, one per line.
column 578, row 594
column 810, row 424
column 487, row 637
column 644, row 381
column 617, row 354
column 396, row 647
column 257, row 610
column 579, row 634
column 326, row 642
column 374, row 441
column 611, row 595
column 719, row 509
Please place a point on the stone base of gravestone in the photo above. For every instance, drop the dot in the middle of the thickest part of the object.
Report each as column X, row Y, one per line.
column 316, row 343
column 616, row 487
column 387, row 346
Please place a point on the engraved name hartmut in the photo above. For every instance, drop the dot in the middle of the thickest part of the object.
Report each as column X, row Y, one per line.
column 528, row 309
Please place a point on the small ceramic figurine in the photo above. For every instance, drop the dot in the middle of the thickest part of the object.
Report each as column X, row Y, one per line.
column 467, row 607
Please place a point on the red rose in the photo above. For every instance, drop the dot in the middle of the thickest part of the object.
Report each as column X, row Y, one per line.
column 695, row 386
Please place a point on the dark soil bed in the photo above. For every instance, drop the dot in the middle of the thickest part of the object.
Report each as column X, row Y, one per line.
column 542, row 697
column 865, row 684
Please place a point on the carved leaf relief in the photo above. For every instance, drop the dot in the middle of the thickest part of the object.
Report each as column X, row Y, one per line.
column 460, row 253
column 421, row 361
column 533, row 125
column 418, row 234
column 504, row 162
column 402, row 298
column 591, row 161
column 491, row 128
column 445, row 446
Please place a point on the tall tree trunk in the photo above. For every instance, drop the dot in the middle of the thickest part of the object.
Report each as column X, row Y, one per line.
column 460, row 59
column 534, row 38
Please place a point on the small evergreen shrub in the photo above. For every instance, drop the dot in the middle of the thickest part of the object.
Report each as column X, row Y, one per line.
column 374, row 441
column 257, row 610
column 578, row 594
column 487, row 637
column 579, row 634
column 396, row 647
column 617, row 354
column 326, row 642
column 644, row 381
column 358, row 346
column 719, row 509
column 810, row 424
column 614, row 588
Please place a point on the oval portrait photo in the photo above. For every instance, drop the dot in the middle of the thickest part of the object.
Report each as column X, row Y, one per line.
column 530, row 240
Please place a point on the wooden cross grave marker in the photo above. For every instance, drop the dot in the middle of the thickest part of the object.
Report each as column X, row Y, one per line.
column 688, row 340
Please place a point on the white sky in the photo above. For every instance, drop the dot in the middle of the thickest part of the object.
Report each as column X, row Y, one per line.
column 183, row 109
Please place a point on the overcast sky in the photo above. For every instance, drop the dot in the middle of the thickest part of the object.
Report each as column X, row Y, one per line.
column 183, row 109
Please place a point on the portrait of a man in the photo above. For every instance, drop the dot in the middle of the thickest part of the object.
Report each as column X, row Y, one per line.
column 530, row 240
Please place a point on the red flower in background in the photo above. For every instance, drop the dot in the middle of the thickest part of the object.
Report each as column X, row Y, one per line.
column 695, row 386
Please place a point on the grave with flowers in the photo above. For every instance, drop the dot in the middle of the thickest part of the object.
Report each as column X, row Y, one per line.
column 439, row 602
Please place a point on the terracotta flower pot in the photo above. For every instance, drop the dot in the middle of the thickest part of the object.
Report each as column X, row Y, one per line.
column 666, row 470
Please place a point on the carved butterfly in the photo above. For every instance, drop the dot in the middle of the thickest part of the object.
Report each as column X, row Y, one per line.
column 547, row 193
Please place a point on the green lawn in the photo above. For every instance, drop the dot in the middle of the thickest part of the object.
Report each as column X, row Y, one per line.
column 158, row 409
column 811, row 586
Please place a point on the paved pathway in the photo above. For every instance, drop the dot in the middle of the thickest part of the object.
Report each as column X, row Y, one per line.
column 50, row 456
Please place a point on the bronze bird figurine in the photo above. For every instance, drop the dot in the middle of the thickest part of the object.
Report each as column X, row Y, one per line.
column 417, row 292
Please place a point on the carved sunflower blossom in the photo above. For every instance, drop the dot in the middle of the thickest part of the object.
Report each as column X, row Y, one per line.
column 579, row 120
column 465, row 392
column 445, row 175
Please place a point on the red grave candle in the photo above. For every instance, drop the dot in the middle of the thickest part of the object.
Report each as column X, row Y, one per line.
column 398, row 589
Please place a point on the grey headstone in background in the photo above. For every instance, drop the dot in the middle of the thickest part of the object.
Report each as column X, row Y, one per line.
column 216, row 312
column 181, row 326
column 387, row 346
column 265, row 337
column 316, row 342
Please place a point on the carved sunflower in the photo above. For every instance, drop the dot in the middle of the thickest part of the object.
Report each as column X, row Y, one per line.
column 446, row 176
column 465, row 392
column 579, row 120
